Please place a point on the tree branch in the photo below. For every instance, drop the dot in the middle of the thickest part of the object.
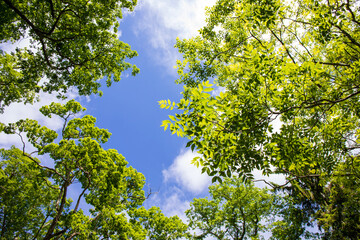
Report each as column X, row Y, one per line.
column 86, row 188
column 347, row 5
column 282, row 43
column 73, row 235
column 23, row 17
column 45, row 167
column 50, row 234
column 317, row 103
column 41, row 227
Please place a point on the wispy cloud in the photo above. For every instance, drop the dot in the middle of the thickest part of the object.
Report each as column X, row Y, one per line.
column 172, row 202
column 182, row 181
column 17, row 111
column 187, row 175
column 163, row 21
column 184, row 16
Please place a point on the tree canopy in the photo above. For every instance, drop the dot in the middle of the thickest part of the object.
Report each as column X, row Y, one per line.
column 269, row 85
column 35, row 194
column 234, row 211
column 160, row 227
column 287, row 72
column 69, row 187
column 72, row 44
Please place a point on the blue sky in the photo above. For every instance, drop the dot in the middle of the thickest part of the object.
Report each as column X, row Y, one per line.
column 129, row 109
column 135, row 122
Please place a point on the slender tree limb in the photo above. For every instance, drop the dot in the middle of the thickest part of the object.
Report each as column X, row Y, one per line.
column 73, row 235
column 86, row 188
column 41, row 227
column 282, row 43
column 59, row 233
column 317, row 103
column 23, row 17
column 55, row 220
column 352, row 40
column 243, row 223
column 51, row 8
column 351, row 12
column 44, row 167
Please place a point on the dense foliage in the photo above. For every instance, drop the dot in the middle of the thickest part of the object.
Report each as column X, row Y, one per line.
column 160, row 227
column 235, row 211
column 35, row 194
column 69, row 186
column 72, row 44
column 288, row 73
column 269, row 85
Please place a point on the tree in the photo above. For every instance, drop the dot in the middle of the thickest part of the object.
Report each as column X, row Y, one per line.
column 72, row 44
column 293, row 220
column 293, row 64
column 238, row 210
column 160, row 227
column 26, row 199
column 34, row 194
column 235, row 211
column 340, row 217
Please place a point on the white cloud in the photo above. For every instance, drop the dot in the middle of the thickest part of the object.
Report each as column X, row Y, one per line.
column 17, row 111
column 218, row 90
column 21, row 43
column 183, row 16
column 171, row 202
column 164, row 20
column 186, row 174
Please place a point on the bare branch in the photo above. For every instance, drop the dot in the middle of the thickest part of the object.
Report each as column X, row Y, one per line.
column 84, row 190
column 282, row 43
column 42, row 166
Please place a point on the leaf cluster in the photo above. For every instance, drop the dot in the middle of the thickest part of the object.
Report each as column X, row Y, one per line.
column 234, row 211
column 35, row 194
column 72, row 44
column 288, row 74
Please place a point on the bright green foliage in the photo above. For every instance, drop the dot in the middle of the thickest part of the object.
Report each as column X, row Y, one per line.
column 160, row 227
column 34, row 194
column 235, row 211
column 289, row 63
column 73, row 44
column 26, row 198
